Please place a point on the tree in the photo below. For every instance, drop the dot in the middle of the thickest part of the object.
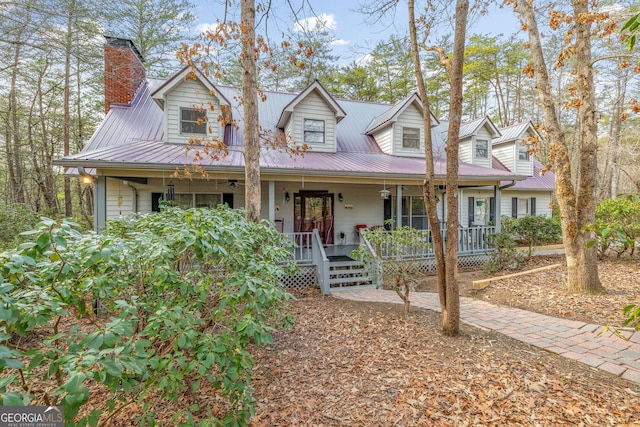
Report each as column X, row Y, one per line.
column 576, row 202
column 446, row 266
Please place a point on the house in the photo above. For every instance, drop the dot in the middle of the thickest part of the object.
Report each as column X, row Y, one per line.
column 363, row 157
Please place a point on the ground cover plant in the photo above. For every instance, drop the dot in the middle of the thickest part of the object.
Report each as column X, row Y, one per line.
column 179, row 296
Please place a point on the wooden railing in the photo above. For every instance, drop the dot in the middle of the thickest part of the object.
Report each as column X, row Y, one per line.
column 471, row 240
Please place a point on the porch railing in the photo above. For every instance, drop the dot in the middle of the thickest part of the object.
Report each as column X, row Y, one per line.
column 471, row 240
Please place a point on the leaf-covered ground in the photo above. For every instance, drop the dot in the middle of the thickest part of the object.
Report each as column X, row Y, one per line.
column 351, row 363
column 347, row 363
column 544, row 292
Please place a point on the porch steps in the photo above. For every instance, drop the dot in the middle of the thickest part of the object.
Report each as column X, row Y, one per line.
column 347, row 273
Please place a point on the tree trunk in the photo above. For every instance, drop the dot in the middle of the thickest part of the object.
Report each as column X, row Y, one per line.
column 68, row 206
column 610, row 179
column 251, row 132
column 577, row 207
column 429, row 187
column 451, row 319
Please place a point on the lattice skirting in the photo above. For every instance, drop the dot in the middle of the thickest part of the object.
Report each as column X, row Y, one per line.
column 429, row 265
column 307, row 276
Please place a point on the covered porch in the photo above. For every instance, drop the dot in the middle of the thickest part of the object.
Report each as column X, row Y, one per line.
column 332, row 267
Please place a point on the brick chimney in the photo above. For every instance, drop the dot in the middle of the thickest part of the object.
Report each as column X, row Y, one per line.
column 123, row 71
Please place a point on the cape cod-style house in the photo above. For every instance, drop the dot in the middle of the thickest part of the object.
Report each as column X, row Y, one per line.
column 365, row 162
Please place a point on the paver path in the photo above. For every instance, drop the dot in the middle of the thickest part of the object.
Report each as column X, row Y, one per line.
column 584, row 342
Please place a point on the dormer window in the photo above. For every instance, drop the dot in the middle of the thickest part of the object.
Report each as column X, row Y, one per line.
column 523, row 152
column 481, row 149
column 313, row 131
column 411, row 138
column 192, row 121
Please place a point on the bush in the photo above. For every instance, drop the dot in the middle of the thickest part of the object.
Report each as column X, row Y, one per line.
column 504, row 255
column 535, row 230
column 396, row 256
column 617, row 225
column 186, row 292
column 15, row 219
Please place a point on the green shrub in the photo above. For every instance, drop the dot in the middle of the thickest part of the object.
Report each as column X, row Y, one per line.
column 504, row 255
column 395, row 256
column 535, row 230
column 15, row 219
column 185, row 293
column 617, row 225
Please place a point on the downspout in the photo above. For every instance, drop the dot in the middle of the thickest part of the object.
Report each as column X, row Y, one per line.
column 497, row 195
column 135, row 195
column 86, row 176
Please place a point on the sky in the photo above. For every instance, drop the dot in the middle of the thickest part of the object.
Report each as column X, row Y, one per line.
column 354, row 37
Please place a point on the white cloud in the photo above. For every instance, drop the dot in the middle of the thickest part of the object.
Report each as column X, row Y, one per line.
column 364, row 60
column 201, row 28
column 316, row 23
column 339, row 42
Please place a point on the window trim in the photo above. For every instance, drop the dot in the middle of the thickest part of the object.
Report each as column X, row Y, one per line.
column 524, row 150
column 476, row 142
column 415, row 138
column 314, row 132
column 183, row 121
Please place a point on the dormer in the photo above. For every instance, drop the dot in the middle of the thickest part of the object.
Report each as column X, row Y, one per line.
column 512, row 148
column 311, row 118
column 475, row 141
column 399, row 131
column 193, row 107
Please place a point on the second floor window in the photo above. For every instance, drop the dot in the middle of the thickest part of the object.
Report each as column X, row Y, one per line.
column 481, row 149
column 523, row 152
column 192, row 122
column 313, row 131
column 411, row 138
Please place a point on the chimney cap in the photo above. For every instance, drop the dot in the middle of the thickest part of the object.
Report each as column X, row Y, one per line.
column 124, row 43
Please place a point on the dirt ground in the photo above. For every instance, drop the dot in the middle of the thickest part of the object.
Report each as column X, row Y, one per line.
column 544, row 292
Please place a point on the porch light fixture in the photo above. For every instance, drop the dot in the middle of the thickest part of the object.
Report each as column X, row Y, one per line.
column 340, row 198
column 384, row 193
column 87, row 180
column 287, row 197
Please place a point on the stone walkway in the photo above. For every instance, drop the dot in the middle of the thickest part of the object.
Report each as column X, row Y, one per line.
column 586, row 343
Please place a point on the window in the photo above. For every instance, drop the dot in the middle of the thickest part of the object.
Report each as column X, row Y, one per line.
column 481, row 149
column 192, row 121
column 523, row 152
column 190, row 200
column 313, row 131
column 411, row 138
column 520, row 206
column 413, row 212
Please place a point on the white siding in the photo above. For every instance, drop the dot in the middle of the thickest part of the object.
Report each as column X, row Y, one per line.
column 314, row 107
column 188, row 94
column 543, row 200
column 383, row 138
column 506, row 154
column 523, row 167
column 116, row 189
column 483, row 135
column 410, row 117
column 464, row 150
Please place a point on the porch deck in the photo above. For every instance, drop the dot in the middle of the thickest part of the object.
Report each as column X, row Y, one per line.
column 333, row 267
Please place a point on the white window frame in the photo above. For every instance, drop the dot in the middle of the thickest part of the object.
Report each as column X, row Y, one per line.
column 309, row 129
column 194, row 197
column 476, row 143
column 184, row 121
column 412, row 141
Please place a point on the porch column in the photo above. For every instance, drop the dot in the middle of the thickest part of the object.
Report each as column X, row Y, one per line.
column 498, row 214
column 99, row 203
column 272, row 201
column 398, row 206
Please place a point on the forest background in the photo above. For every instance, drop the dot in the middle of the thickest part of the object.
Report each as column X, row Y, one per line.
column 51, row 85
